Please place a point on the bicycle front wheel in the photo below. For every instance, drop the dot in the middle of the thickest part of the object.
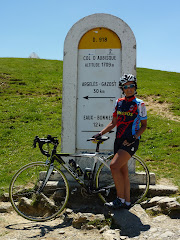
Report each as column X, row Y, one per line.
column 138, row 176
column 30, row 204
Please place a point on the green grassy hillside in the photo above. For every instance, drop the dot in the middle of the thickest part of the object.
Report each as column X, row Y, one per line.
column 31, row 100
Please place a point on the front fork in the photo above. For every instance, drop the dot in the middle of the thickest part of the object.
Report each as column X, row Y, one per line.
column 48, row 174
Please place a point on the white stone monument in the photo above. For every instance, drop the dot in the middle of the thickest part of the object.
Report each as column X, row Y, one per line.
column 34, row 55
column 98, row 50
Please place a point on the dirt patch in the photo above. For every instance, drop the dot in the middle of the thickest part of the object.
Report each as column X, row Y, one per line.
column 166, row 182
column 14, row 227
column 158, row 108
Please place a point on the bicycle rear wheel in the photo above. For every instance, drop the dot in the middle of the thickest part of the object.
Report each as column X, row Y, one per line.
column 138, row 175
column 35, row 206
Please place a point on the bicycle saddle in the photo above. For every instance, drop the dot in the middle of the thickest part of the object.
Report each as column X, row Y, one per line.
column 99, row 139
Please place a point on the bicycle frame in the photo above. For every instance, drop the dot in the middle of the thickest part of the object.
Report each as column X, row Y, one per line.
column 58, row 157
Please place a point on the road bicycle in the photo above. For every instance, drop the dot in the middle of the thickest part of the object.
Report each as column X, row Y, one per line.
column 39, row 191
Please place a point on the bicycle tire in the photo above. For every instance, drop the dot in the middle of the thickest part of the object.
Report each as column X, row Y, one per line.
column 31, row 205
column 139, row 180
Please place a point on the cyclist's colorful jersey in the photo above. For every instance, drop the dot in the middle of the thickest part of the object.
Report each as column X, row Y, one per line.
column 129, row 113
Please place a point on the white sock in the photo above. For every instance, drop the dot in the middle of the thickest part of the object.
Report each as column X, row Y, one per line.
column 128, row 203
column 122, row 200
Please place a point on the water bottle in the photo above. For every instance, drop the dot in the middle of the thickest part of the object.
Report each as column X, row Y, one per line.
column 88, row 174
column 88, row 177
column 76, row 168
column 72, row 163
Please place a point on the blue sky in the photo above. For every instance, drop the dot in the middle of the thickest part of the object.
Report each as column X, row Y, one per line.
column 41, row 26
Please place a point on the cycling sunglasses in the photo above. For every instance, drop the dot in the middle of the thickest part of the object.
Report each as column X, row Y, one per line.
column 129, row 86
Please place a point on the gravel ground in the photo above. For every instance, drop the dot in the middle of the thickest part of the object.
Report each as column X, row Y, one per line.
column 14, row 227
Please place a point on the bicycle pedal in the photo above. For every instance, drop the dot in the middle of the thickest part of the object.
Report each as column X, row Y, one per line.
column 107, row 191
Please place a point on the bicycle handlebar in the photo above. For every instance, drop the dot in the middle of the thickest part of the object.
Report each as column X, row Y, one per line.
column 42, row 141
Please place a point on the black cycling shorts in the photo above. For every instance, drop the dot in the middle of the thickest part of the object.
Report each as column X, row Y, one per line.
column 118, row 144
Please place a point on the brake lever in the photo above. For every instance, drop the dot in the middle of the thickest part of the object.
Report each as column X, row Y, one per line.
column 53, row 139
